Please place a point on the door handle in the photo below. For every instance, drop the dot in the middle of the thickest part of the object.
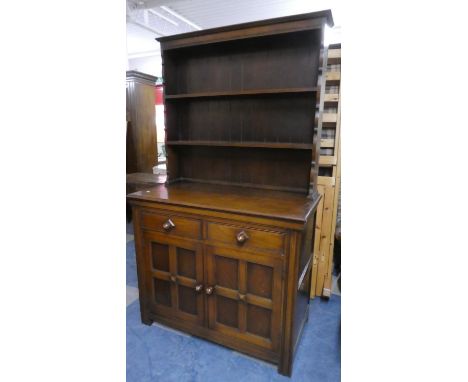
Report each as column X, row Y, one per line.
column 168, row 225
column 209, row 290
column 242, row 237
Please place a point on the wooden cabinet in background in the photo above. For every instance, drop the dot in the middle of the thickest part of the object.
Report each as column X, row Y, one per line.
column 141, row 124
column 224, row 246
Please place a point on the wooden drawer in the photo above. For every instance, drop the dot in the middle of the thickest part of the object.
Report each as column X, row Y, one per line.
column 243, row 237
column 182, row 226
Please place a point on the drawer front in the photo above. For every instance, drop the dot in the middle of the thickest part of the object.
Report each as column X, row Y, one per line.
column 171, row 224
column 243, row 237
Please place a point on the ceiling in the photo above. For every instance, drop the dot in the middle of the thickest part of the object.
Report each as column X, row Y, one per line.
column 148, row 19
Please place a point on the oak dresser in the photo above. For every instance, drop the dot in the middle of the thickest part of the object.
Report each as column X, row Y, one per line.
column 224, row 246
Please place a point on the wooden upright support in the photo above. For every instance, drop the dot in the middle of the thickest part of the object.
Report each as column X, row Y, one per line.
column 329, row 178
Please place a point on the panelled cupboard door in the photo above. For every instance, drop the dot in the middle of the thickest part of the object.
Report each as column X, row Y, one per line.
column 245, row 299
column 174, row 277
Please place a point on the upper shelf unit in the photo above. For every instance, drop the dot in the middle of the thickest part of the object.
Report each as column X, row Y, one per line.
column 240, row 103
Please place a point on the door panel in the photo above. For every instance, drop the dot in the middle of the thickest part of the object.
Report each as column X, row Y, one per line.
column 162, row 292
column 226, row 272
column 187, row 299
column 258, row 321
column 175, row 278
column 186, row 263
column 259, row 280
column 227, row 311
column 246, row 299
column 160, row 256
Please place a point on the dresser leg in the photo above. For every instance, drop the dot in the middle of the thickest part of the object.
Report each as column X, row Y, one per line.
column 285, row 369
column 146, row 320
column 285, row 365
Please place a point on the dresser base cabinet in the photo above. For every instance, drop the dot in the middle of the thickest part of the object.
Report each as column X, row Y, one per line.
column 241, row 280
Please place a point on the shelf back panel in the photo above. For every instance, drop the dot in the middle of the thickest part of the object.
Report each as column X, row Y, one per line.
column 280, row 169
column 278, row 61
column 285, row 119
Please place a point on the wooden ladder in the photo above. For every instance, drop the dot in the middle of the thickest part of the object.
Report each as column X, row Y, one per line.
column 329, row 179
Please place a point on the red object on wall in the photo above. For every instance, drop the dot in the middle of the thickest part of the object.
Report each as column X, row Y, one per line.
column 159, row 94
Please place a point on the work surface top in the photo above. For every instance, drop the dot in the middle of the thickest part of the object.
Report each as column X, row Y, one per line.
column 248, row 201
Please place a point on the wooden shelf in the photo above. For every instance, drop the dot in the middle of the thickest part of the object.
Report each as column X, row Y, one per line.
column 271, row 145
column 333, row 76
column 243, row 93
column 327, row 160
column 334, row 56
column 327, row 143
column 329, row 117
column 326, row 180
column 334, row 53
column 331, row 97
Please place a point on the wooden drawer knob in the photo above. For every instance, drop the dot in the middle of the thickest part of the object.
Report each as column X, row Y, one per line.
column 168, row 225
column 198, row 288
column 209, row 290
column 242, row 237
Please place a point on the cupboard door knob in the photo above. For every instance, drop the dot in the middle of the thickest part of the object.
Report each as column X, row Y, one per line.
column 198, row 288
column 168, row 225
column 242, row 237
column 173, row 279
column 209, row 290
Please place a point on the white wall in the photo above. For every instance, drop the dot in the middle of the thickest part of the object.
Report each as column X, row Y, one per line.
column 149, row 65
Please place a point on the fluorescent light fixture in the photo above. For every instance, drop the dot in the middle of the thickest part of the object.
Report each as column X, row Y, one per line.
column 180, row 17
column 141, row 25
column 163, row 17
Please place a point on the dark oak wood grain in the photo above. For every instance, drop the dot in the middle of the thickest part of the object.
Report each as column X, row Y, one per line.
column 224, row 246
column 243, row 200
column 240, row 93
column 279, row 119
column 272, row 145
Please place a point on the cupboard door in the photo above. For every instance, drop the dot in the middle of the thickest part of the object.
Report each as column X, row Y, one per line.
column 244, row 295
column 175, row 277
